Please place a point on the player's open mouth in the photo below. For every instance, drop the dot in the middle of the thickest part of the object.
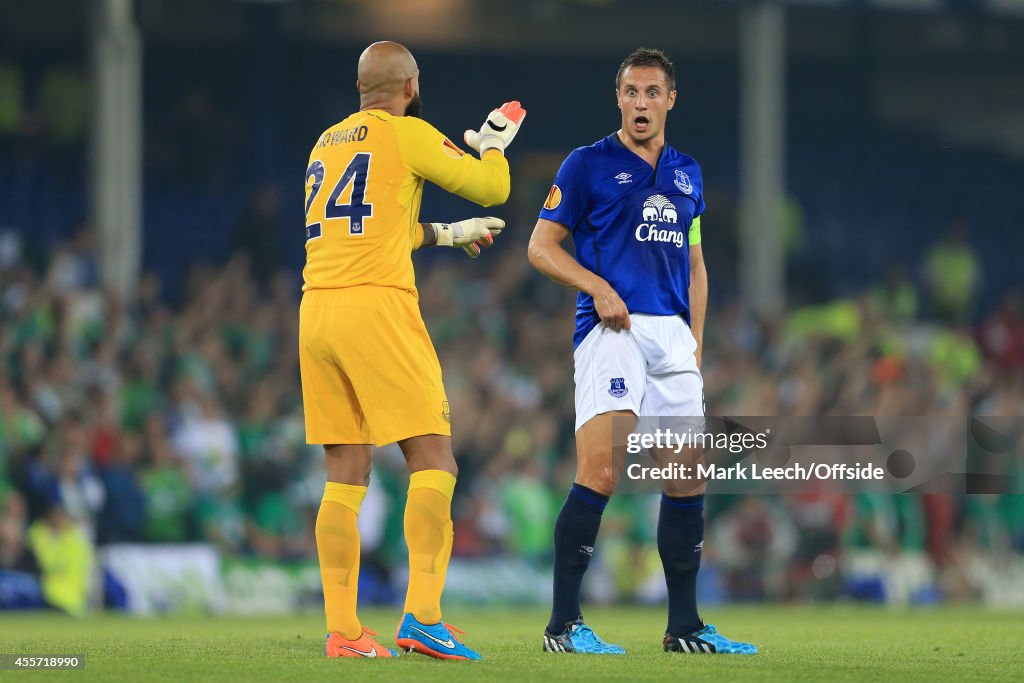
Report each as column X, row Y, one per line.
column 640, row 123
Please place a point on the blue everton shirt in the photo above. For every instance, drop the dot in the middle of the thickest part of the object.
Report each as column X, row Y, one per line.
column 631, row 225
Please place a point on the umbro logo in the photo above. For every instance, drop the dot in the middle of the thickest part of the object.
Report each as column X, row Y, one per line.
column 624, row 178
column 587, row 550
column 697, row 548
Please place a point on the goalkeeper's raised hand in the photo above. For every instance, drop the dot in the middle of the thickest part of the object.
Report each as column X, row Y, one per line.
column 501, row 126
column 472, row 234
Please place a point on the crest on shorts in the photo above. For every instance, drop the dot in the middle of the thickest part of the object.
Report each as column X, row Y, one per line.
column 446, row 412
column 618, row 387
column 682, row 181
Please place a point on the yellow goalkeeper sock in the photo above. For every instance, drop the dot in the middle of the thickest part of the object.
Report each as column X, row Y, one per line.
column 337, row 544
column 428, row 533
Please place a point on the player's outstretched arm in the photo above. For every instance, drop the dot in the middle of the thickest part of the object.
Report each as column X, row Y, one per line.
column 472, row 234
column 430, row 155
column 547, row 255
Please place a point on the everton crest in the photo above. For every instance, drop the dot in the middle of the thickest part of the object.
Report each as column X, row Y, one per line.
column 618, row 387
column 682, row 181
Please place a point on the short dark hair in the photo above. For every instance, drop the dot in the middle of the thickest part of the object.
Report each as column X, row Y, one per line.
column 648, row 57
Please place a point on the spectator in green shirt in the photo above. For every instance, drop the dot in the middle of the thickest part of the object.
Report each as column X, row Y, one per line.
column 168, row 496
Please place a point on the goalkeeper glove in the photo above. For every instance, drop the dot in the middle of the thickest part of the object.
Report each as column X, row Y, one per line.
column 498, row 130
column 472, row 234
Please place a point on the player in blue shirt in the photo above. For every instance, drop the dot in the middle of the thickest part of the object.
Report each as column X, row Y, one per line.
column 633, row 205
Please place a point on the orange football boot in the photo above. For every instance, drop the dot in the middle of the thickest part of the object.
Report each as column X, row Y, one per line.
column 363, row 646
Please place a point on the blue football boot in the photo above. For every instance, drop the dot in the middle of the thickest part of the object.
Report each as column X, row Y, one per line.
column 707, row 640
column 433, row 640
column 580, row 639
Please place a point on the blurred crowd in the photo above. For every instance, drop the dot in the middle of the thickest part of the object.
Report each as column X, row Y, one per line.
column 134, row 421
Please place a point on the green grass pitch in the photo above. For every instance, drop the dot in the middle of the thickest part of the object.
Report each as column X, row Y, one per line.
column 797, row 643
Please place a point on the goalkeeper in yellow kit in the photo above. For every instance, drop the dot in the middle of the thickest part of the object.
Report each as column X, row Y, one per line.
column 370, row 375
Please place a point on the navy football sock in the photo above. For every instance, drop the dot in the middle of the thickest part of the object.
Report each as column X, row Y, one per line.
column 575, row 534
column 680, row 542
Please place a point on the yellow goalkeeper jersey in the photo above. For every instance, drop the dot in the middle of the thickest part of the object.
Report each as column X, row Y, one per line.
column 364, row 185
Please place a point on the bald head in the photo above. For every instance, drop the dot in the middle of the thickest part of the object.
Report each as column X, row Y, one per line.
column 384, row 68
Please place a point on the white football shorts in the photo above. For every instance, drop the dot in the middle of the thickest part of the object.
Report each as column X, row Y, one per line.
column 650, row 370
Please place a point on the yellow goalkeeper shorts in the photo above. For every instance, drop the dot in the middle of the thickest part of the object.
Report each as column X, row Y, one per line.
column 369, row 371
